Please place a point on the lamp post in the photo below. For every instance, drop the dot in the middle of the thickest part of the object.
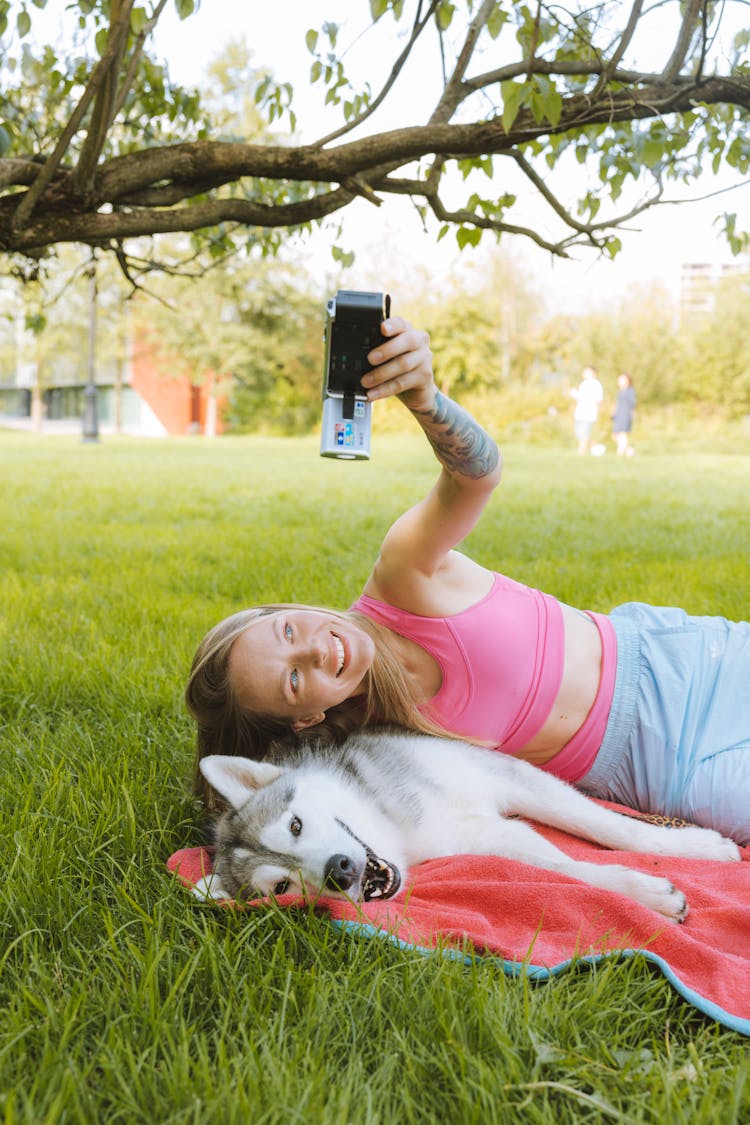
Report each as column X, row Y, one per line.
column 90, row 422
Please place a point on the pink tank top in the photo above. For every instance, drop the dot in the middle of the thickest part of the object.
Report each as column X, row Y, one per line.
column 502, row 665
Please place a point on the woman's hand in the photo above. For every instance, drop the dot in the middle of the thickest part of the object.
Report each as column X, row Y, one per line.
column 402, row 366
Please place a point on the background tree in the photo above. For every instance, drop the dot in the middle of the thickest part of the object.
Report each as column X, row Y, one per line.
column 637, row 96
column 481, row 325
column 250, row 332
column 277, row 387
column 703, row 361
column 716, row 351
column 640, row 335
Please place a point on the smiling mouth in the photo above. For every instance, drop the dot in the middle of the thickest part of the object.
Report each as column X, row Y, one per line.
column 340, row 653
column 381, row 879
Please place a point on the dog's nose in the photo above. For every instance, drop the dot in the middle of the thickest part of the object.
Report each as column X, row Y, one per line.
column 339, row 872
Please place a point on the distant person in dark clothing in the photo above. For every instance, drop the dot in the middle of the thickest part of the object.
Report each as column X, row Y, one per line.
column 622, row 419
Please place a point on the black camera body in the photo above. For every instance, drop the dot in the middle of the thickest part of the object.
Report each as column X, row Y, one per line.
column 352, row 330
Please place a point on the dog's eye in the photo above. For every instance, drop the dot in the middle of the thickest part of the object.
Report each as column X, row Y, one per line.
column 295, row 826
column 281, row 887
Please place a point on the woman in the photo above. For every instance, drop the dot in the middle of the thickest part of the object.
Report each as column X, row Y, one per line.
column 622, row 419
column 644, row 706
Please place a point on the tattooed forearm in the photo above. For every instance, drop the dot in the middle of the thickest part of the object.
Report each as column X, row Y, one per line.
column 460, row 443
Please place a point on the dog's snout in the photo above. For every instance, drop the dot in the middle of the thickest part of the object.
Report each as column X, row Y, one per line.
column 339, row 872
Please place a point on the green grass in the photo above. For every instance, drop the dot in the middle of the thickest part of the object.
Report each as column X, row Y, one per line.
column 124, row 1000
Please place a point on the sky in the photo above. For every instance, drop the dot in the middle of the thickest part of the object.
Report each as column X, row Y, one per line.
column 389, row 238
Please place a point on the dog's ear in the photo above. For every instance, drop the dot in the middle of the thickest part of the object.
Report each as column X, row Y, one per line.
column 235, row 778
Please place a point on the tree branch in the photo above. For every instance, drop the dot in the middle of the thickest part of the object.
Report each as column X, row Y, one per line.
column 682, row 46
column 464, row 217
column 198, row 161
column 561, row 68
column 105, row 97
column 452, row 95
column 417, row 29
column 567, row 218
column 17, row 173
column 102, row 226
column 35, row 192
column 135, row 58
column 534, row 43
column 611, row 65
column 196, row 185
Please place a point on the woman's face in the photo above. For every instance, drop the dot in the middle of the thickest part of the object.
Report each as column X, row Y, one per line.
column 294, row 664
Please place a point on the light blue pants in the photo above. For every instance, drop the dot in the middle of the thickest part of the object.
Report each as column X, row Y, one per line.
column 678, row 736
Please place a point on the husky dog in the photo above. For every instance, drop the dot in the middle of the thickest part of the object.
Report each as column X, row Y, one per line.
column 349, row 821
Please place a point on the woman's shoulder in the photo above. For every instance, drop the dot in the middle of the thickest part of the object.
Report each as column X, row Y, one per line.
column 458, row 583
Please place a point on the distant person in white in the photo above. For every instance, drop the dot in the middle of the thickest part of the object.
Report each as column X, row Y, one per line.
column 588, row 395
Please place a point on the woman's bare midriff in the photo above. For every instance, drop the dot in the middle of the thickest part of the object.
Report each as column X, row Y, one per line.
column 580, row 683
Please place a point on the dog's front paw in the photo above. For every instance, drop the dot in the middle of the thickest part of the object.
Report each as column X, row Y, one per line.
column 726, row 851
column 704, row 843
column 667, row 900
column 657, row 894
column 677, row 905
column 209, row 889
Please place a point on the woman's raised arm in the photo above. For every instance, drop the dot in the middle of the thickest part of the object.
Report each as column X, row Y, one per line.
column 421, row 539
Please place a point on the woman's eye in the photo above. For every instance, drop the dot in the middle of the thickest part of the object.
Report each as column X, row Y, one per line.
column 295, row 826
column 288, row 631
column 294, row 679
column 281, row 887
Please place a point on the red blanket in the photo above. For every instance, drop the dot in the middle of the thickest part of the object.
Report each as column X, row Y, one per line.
column 537, row 921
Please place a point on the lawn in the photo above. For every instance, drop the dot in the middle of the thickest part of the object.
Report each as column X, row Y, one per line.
column 123, row 999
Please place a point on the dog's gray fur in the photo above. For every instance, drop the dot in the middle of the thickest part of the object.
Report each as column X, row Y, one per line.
column 306, row 819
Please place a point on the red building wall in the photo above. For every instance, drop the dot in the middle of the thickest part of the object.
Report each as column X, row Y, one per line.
column 178, row 404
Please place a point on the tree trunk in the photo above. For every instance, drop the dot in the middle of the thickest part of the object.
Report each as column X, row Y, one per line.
column 37, row 402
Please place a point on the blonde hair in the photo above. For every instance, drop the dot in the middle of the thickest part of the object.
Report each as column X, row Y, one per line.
column 224, row 727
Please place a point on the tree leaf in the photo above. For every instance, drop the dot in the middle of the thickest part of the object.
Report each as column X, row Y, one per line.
column 552, row 103
column 496, row 20
column 444, row 14
column 652, row 152
column 513, row 94
column 35, row 323
column 344, row 257
column 468, row 236
column 138, row 20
